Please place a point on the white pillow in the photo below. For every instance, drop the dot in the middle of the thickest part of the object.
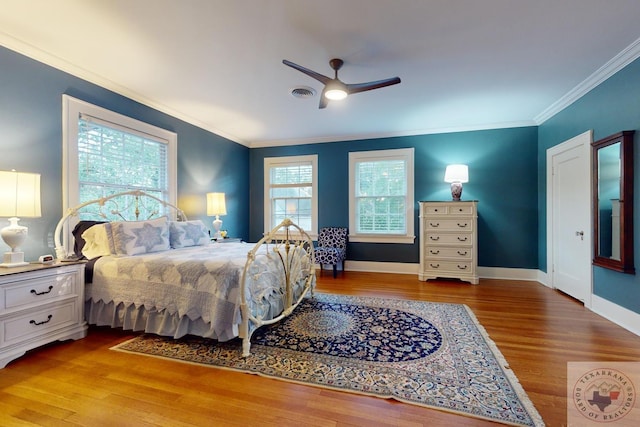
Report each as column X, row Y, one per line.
column 140, row 237
column 97, row 241
column 188, row 233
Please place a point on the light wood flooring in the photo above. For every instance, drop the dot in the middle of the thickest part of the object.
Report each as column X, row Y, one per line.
column 83, row 383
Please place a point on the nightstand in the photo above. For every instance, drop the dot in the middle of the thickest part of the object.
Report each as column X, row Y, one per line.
column 39, row 304
column 227, row 240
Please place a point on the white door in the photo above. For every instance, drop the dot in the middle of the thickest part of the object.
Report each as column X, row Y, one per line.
column 569, row 217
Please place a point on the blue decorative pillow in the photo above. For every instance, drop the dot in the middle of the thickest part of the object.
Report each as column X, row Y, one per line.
column 140, row 237
column 188, row 233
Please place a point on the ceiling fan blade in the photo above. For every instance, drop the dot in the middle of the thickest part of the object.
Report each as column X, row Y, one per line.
column 324, row 101
column 308, row 72
column 361, row 87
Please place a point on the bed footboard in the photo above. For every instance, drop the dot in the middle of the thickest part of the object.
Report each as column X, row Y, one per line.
column 292, row 247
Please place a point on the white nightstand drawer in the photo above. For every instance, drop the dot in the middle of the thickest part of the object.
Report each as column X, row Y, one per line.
column 39, row 290
column 39, row 322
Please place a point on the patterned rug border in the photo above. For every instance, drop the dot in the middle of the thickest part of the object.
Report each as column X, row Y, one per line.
column 373, row 301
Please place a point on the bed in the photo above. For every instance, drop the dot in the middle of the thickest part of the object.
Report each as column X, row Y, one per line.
column 163, row 274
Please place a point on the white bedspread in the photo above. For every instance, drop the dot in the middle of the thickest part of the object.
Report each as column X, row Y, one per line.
column 197, row 282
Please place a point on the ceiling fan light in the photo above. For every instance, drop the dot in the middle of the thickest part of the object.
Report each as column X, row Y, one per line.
column 335, row 91
column 335, row 94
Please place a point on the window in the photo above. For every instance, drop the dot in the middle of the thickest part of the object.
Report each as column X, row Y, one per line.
column 106, row 153
column 381, row 196
column 291, row 191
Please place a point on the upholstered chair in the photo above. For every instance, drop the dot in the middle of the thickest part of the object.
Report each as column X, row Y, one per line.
column 332, row 247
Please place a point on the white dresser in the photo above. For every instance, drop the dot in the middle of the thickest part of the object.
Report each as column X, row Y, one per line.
column 449, row 240
column 40, row 304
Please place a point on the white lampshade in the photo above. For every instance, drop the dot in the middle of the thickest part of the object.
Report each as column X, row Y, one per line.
column 216, row 204
column 456, row 173
column 19, row 196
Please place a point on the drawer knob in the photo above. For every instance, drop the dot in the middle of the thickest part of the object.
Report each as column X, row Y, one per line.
column 462, row 225
column 462, row 239
column 434, row 237
column 434, row 265
column 462, row 267
column 436, row 225
column 434, row 252
column 33, row 322
column 33, row 291
column 462, row 253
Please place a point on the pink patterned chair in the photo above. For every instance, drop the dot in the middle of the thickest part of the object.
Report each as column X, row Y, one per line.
column 332, row 247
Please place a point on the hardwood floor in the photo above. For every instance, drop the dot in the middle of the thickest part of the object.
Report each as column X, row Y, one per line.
column 537, row 329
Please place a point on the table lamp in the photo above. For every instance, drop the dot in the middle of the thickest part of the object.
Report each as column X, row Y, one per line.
column 456, row 175
column 216, row 206
column 19, row 197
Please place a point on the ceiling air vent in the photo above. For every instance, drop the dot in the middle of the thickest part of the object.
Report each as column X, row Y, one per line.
column 303, row 92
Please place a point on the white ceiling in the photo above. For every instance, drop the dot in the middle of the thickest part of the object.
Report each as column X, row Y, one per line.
column 464, row 64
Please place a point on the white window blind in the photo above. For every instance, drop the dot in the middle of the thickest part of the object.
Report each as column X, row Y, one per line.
column 112, row 159
column 381, row 196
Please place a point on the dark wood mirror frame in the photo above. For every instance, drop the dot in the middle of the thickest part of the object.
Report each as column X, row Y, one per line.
column 622, row 262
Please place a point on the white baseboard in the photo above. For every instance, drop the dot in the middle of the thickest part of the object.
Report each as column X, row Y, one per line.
column 508, row 273
column 617, row 314
column 382, row 267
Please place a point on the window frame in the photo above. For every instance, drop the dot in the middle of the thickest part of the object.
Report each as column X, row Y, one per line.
column 270, row 162
column 72, row 110
column 404, row 154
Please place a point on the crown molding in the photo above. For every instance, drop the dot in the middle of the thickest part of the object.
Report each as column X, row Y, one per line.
column 617, row 63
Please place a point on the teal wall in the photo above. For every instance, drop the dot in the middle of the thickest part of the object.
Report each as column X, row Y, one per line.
column 31, row 141
column 611, row 107
column 502, row 177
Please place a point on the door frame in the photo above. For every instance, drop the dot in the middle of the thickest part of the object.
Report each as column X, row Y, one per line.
column 583, row 141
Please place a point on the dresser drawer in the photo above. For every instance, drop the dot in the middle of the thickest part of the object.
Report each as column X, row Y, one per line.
column 452, row 209
column 458, row 239
column 432, row 210
column 38, row 290
column 457, row 267
column 461, row 224
column 461, row 209
column 435, row 252
column 38, row 322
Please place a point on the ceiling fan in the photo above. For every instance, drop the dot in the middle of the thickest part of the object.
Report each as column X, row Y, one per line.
column 334, row 89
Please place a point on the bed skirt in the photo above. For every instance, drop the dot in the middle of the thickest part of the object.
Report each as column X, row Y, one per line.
column 160, row 322
column 139, row 318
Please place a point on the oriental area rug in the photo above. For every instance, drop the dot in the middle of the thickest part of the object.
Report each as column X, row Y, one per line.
column 434, row 355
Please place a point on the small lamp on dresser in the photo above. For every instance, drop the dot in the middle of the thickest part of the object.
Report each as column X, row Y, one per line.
column 456, row 175
column 216, row 206
column 19, row 197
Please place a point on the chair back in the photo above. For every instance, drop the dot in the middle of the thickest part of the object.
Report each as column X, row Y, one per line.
column 334, row 237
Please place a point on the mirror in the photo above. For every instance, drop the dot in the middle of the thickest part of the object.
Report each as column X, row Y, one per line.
column 613, row 202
